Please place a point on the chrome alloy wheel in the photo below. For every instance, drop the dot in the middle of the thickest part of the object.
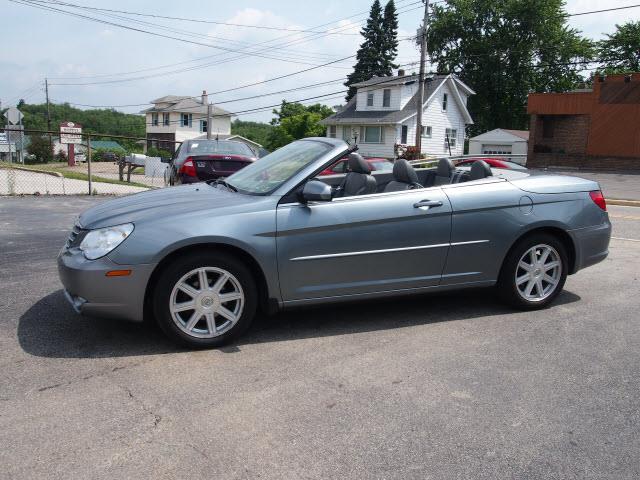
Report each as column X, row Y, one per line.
column 206, row 302
column 538, row 273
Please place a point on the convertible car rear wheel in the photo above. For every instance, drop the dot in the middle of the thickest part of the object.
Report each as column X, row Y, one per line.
column 205, row 300
column 534, row 272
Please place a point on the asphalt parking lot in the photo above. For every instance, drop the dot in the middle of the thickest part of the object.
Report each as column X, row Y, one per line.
column 440, row 386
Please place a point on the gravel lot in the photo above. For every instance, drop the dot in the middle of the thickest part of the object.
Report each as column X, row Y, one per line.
column 440, row 386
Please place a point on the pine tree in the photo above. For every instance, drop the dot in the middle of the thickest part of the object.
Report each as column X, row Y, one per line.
column 390, row 30
column 368, row 58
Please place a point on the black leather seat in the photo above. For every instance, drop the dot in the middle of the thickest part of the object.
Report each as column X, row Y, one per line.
column 444, row 173
column 404, row 177
column 359, row 180
column 480, row 169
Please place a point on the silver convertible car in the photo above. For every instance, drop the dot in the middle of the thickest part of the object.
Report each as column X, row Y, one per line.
column 203, row 259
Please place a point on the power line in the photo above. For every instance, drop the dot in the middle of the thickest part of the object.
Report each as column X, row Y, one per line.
column 279, row 47
column 155, row 34
column 602, row 11
column 122, row 80
column 194, row 20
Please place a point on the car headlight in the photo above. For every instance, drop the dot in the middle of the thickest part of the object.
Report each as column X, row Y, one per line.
column 97, row 243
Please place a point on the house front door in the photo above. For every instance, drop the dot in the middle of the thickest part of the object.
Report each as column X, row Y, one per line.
column 403, row 136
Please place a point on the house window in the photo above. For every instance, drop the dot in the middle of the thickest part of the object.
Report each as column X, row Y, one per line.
column 426, row 131
column 203, row 126
column 451, row 134
column 165, row 119
column 347, row 134
column 332, row 131
column 154, row 119
column 186, row 120
column 371, row 135
column 369, row 99
column 386, row 97
column 445, row 100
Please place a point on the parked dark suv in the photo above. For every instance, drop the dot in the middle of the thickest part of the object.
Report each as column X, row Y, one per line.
column 202, row 160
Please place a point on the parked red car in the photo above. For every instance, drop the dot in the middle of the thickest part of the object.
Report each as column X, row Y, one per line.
column 492, row 162
column 202, row 160
column 381, row 164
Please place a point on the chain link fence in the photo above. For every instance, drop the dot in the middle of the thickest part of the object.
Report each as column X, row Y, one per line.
column 98, row 167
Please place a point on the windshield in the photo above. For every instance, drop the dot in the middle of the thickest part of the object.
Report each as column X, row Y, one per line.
column 205, row 147
column 271, row 171
column 382, row 165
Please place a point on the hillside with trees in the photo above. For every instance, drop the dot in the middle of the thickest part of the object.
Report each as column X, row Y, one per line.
column 92, row 121
column 255, row 131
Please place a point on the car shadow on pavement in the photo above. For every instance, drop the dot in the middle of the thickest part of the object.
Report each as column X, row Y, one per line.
column 51, row 329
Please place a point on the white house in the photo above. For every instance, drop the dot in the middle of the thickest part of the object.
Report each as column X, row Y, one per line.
column 383, row 114
column 500, row 141
column 175, row 118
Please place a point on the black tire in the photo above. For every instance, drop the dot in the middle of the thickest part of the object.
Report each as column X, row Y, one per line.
column 506, row 286
column 182, row 266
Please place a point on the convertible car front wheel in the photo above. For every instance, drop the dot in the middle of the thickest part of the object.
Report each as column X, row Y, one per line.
column 534, row 272
column 205, row 300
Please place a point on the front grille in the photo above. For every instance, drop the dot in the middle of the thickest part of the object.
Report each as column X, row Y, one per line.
column 75, row 237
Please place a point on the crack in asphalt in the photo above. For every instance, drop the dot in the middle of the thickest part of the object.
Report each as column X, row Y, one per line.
column 93, row 375
column 156, row 418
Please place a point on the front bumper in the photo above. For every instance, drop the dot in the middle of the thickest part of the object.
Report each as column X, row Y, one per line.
column 92, row 293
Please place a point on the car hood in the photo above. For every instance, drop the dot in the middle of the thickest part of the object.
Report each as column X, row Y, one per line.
column 174, row 201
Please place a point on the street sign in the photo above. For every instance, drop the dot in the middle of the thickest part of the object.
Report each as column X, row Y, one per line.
column 70, row 133
column 13, row 115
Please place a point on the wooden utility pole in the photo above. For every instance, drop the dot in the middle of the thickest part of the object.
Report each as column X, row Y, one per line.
column 421, row 80
column 46, row 90
column 209, row 118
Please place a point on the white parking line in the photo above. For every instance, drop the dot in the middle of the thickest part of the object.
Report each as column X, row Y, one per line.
column 626, row 239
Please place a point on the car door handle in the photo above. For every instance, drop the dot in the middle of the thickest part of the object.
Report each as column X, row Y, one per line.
column 426, row 204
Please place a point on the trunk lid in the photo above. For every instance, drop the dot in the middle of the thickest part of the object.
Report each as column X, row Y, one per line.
column 555, row 184
column 212, row 166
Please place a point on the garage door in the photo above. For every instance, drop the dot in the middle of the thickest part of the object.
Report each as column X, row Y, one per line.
column 496, row 149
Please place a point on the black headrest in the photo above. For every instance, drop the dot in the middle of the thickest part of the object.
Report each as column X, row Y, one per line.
column 480, row 169
column 403, row 172
column 358, row 164
column 445, row 167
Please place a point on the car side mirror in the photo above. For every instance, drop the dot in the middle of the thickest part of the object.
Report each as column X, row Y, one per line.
column 316, row 191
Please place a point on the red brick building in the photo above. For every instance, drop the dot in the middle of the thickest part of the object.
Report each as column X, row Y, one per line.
column 595, row 129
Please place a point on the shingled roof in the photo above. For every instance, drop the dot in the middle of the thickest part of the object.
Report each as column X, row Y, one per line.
column 183, row 104
column 349, row 114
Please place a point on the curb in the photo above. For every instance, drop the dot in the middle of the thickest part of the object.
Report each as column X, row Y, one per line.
column 623, row 203
column 33, row 170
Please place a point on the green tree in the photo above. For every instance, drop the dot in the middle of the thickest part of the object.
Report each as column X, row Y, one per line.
column 368, row 57
column 256, row 131
column 620, row 51
column 390, row 32
column 294, row 121
column 505, row 49
column 40, row 149
column 106, row 121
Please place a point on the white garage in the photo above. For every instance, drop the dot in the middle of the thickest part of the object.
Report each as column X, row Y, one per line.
column 500, row 142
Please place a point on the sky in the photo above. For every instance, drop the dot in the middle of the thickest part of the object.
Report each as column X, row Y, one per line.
column 99, row 56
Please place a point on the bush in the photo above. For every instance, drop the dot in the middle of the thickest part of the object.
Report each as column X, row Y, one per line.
column 158, row 152
column 40, row 150
column 61, row 156
column 107, row 154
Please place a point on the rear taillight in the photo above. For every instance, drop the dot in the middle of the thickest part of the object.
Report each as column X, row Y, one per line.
column 598, row 199
column 188, row 168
